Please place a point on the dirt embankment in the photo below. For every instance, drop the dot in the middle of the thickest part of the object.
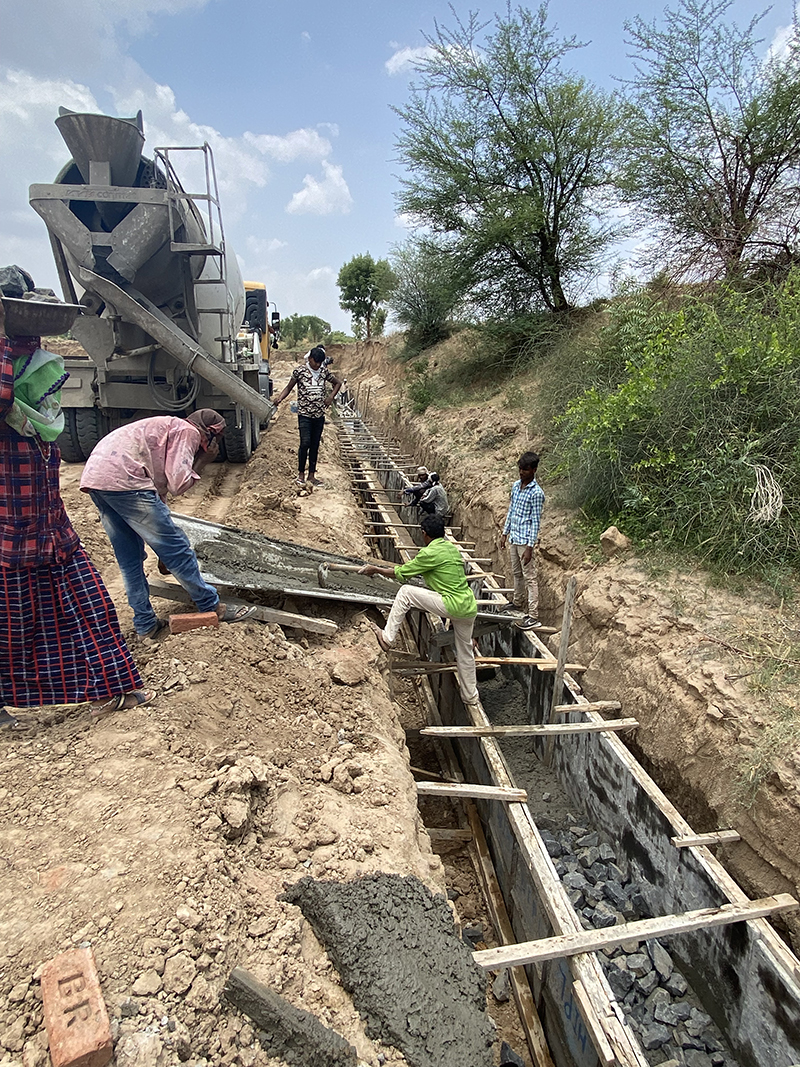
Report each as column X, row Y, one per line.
column 164, row 837
column 673, row 648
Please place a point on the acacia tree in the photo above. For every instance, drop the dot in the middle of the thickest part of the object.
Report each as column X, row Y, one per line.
column 714, row 145
column 510, row 157
column 365, row 284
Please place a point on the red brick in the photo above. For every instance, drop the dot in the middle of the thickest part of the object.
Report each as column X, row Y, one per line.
column 179, row 624
column 75, row 1015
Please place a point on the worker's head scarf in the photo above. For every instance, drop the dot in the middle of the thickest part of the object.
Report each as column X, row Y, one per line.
column 38, row 377
column 210, row 424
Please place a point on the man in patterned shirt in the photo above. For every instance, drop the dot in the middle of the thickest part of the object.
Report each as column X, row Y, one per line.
column 312, row 401
column 520, row 533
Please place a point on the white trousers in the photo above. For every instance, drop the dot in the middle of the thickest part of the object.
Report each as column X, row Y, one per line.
column 413, row 596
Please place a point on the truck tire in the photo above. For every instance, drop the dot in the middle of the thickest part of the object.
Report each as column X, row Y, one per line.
column 238, row 442
column 88, row 428
column 67, row 440
column 255, row 431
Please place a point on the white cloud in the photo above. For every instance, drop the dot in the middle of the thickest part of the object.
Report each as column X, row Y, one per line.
column 239, row 167
column 779, row 46
column 330, row 196
column 299, row 144
column 24, row 95
column 404, row 220
column 262, row 247
column 305, row 36
column 321, row 275
column 407, row 58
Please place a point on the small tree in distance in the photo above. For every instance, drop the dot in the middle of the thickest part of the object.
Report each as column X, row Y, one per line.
column 365, row 284
column 295, row 329
column 429, row 289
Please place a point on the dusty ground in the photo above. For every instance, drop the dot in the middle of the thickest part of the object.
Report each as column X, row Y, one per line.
column 163, row 836
column 710, row 673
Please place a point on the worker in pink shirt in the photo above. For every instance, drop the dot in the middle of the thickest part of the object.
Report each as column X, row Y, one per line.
column 128, row 476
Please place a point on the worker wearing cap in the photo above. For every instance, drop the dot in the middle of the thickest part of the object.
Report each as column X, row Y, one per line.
column 448, row 595
column 412, row 493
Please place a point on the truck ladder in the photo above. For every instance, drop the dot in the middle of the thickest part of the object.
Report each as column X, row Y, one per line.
column 206, row 206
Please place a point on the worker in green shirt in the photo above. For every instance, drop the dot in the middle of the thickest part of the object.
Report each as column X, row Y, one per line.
column 448, row 595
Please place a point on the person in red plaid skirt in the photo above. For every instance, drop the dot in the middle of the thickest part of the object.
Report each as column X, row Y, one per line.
column 60, row 640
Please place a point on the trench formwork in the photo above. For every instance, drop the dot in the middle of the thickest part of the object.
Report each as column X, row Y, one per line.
column 746, row 977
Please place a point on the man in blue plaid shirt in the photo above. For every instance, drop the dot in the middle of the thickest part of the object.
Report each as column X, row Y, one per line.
column 520, row 533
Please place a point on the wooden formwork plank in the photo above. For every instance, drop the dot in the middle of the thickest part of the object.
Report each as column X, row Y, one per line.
column 551, row 948
column 448, row 833
column 548, row 730
column 561, row 664
column 716, row 837
column 588, row 706
column 545, row 665
column 170, row 591
column 467, row 789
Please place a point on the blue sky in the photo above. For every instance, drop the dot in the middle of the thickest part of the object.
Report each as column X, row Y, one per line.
column 294, row 97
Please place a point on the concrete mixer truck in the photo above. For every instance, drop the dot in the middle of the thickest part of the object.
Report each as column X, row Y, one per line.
column 167, row 322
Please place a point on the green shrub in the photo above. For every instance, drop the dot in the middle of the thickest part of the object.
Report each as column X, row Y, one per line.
column 689, row 418
column 421, row 393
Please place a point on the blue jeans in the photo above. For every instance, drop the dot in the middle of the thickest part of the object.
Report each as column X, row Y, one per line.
column 133, row 519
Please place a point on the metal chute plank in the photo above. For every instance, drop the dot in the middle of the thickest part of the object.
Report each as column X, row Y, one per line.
column 241, row 559
column 163, row 330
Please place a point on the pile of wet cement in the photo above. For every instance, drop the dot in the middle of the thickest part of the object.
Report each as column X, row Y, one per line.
column 258, row 562
column 411, row 976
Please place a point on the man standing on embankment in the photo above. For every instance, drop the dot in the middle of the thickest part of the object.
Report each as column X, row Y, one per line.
column 520, row 534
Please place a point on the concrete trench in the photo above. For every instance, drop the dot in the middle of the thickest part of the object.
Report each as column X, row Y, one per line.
column 592, row 848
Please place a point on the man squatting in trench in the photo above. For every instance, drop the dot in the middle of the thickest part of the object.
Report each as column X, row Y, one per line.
column 448, row 595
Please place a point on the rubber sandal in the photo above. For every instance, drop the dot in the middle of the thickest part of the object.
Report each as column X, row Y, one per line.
column 120, row 702
column 7, row 720
column 379, row 637
column 240, row 614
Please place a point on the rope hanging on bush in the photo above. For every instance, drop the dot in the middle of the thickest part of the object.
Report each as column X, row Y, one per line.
column 766, row 503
